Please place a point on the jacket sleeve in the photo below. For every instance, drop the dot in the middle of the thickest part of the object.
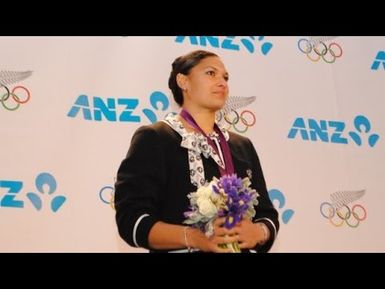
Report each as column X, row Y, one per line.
column 265, row 211
column 140, row 179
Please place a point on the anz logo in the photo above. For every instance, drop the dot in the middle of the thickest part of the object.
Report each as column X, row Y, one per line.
column 117, row 109
column 237, row 43
column 279, row 201
column 332, row 131
column 380, row 59
column 46, row 186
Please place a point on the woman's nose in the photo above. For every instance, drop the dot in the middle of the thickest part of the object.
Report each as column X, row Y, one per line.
column 222, row 82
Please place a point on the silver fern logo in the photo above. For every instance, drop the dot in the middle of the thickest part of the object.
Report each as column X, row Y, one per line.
column 12, row 98
column 342, row 208
column 231, row 119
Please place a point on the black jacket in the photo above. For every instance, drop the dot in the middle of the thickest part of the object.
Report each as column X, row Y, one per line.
column 154, row 179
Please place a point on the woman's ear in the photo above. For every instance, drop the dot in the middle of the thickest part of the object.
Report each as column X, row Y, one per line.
column 181, row 80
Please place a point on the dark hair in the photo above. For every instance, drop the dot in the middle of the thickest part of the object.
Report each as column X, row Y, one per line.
column 183, row 64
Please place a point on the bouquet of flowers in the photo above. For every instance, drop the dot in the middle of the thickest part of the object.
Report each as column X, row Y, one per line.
column 230, row 197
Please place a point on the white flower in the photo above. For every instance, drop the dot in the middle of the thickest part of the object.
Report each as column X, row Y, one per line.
column 207, row 208
column 204, row 192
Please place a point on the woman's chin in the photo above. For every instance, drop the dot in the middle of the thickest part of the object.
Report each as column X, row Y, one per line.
column 216, row 107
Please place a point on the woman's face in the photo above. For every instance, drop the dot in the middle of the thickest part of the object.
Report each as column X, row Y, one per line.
column 206, row 84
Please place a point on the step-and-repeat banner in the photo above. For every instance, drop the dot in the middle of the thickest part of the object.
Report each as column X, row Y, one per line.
column 313, row 107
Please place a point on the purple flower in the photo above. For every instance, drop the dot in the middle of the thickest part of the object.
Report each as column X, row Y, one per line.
column 230, row 197
column 238, row 198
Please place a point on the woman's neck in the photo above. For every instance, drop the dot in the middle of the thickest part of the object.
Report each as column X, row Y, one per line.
column 204, row 118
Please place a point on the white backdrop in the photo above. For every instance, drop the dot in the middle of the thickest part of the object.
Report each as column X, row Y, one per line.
column 61, row 149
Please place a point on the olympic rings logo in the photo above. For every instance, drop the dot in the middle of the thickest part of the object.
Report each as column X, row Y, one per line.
column 107, row 196
column 316, row 51
column 11, row 96
column 337, row 217
column 239, row 122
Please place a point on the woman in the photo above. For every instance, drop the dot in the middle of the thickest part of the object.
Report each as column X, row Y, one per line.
column 171, row 158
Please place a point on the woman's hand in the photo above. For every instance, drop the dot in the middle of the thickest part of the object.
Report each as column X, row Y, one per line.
column 250, row 234
column 246, row 233
column 211, row 244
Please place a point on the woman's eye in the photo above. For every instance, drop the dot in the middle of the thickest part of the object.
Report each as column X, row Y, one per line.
column 212, row 73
